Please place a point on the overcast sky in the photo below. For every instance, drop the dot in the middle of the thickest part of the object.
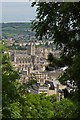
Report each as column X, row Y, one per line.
column 17, row 12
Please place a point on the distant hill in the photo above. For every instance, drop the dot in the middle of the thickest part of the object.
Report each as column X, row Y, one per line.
column 17, row 30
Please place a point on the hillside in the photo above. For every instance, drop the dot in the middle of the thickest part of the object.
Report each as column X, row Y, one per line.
column 17, row 30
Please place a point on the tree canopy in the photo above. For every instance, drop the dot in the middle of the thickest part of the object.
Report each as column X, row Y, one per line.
column 10, row 86
column 60, row 21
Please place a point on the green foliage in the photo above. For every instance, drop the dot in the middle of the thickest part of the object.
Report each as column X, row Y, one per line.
column 12, row 110
column 55, row 62
column 15, row 110
column 36, row 106
column 65, row 109
column 73, row 73
column 50, row 57
column 61, row 22
column 31, row 82
column 41, row 106
column 10, row 87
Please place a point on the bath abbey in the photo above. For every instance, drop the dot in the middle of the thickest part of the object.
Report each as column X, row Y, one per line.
column 32, row 62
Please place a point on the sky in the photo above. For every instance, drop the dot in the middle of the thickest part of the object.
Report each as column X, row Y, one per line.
column 16, row 0
column 18, row 12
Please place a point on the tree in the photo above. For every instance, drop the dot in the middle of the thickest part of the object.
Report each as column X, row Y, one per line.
column 65, row 109
column 50, row 58
column 55, row 62
column 41, row 106
column 36, row 106
column 61, row 22
column 10, row 87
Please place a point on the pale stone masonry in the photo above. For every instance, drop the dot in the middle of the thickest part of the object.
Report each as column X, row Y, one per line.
column 33, row 61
